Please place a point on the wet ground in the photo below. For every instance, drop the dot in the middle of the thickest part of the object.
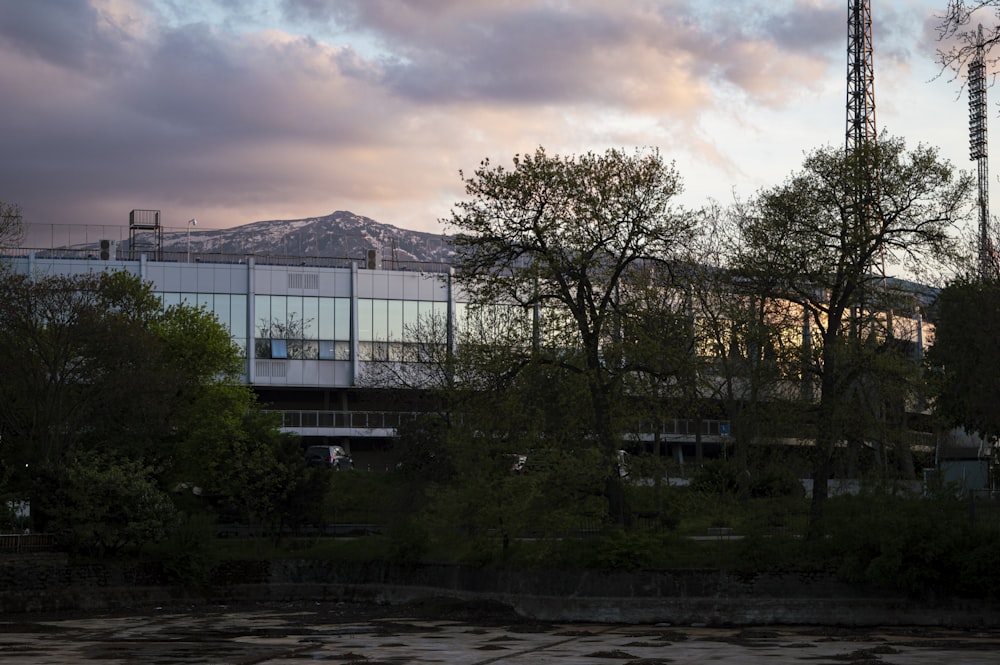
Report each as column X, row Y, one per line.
column 451, row 632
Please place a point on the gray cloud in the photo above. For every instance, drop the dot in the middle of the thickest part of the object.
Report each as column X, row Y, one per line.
column 298, row 107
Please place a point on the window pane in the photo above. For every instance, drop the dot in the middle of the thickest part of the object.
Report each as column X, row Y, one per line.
column 310, row 349
column 294, row 318
column 238, row 316
column 380, row 320
column 310, row 317
column 262, row 348
column 220, row 307
column 326, row 327
column 205, row 300
column 170, row 299
column 440, row 310
column 411, row 312
column 279, row 323
column 279, row 348
column 262, row 316
column 342, row 332
column 326, row 349
column 342, row 350
column 364, row 320
column 394, row 319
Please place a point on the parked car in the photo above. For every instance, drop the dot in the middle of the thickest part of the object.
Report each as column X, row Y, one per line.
column 332, row 457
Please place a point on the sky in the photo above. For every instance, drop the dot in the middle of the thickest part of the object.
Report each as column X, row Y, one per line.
column 235, row 111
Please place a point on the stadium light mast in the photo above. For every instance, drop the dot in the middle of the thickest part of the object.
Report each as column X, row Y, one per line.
column 978, row 152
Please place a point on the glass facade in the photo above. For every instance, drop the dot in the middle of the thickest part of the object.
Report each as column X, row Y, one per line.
column 230, row 309
column 302, row 327
column 392, row 329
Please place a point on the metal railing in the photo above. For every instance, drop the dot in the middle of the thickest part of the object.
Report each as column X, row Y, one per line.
column 358, row 420
column 231, row 258
column 26, row 542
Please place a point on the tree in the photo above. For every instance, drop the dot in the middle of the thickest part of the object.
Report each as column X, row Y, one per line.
column 260, row 477
column 11, row 225
column 818, row 241
column 558, row 234
column 102, row 370
column 965, row 356
column 106, row 503
column 960, row 39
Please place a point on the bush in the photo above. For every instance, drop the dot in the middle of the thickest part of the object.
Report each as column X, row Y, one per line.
column 913, row 545
column 188, row 553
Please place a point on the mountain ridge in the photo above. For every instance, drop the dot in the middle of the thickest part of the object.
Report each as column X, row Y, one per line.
column 340, row 234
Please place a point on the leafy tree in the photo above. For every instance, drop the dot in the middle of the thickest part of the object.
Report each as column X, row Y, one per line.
column 104, row 504
column 103, row 370
column 965, row 357
column 557, row 234
column 101, row 365
column 816, row 241
column 260, row 477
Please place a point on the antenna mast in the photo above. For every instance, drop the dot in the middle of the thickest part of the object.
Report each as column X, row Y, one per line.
column 978, row 152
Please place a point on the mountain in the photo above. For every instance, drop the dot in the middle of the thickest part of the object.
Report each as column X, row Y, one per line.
column 341, row 234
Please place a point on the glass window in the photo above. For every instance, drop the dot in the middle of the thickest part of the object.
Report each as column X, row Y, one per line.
column 220, row 307
column 380, row 320
column 238, row 316
column 279, row 317
column 262, row 348
column 310, row 349
column 365, row 315
column 439, row 310
column 342, row 350
column 310, row 318
column 411, row 319
column 293, row 319
column 326, row 317
column 279, row 348
column 170, row 299
column 342, row 319
column 394, row 320
column 204, row 300
column 326, row 349
column 262, row 316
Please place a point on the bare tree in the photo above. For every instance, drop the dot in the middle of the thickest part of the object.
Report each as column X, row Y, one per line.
column 11, row 225
column 961, row 31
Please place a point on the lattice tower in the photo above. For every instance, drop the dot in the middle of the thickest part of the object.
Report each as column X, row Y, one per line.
column 978, row 153
column 860, row 75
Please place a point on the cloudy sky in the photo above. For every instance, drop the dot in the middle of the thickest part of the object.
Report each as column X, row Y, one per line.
column 234, row 111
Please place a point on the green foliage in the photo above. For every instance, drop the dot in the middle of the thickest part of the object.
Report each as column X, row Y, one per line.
column 965, row 356
column 559, row 234
column 261, row 477
column 188, row 552
column 409, row 542
column 621, row 550
column 103, row 505
column 923, row 546
column 813, row 241
column 724, row 476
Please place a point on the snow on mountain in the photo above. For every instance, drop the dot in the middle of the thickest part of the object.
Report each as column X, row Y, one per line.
column 341, row 234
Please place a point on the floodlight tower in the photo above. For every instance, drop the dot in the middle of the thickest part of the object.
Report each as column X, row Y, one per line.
column 978, row 152
column 861, row 130
column 860, row 75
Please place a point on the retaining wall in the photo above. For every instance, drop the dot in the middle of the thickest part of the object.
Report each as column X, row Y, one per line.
column 684, row 597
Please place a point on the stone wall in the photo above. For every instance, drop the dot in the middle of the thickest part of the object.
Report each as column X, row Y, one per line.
column 685, row 597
